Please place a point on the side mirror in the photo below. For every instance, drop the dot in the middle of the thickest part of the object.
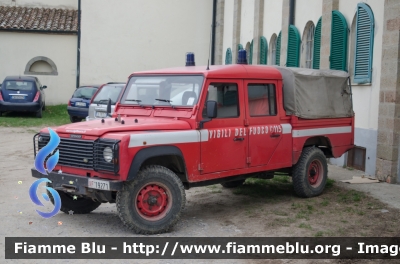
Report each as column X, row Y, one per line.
column 212, row 109
column 211, row 112
column 44, row 87
column 109, row 107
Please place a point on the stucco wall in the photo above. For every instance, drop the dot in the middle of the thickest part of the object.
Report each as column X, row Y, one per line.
column 228, row 26
column 307, row 10
column 17, row 49
column 272, row 18
column 247, row 22
column 120, row 37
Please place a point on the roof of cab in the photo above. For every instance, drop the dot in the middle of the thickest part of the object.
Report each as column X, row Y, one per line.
column 232, row 71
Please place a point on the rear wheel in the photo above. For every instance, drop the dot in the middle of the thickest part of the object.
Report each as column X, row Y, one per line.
column 39, row 113
column 310, row 173
column 44, row 106
column 152, row 202
column 232, row 184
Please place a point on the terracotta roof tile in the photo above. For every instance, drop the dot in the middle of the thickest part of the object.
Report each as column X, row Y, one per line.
column 28, row 18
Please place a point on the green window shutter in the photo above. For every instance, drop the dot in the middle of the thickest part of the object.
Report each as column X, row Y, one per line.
column 338, row 55
column 251, row 53
column 364, row 44
column 240, row 47
column 278, row 50
column 228, row 56
column 317, row 45
column 293, row 50
column 263, row 50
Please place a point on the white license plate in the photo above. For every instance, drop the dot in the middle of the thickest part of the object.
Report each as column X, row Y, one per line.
column 80, row 104
column 18, row 97
column 101, row 185
column 101, row 114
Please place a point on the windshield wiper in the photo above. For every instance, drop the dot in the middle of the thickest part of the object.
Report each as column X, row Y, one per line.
column 134, row 100
column 167, row 101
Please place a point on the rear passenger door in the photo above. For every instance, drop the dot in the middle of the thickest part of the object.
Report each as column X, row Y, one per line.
column 264, row 129
column 226, row 145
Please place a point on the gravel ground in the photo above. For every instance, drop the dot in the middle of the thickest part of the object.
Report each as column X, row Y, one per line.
column 210, row 211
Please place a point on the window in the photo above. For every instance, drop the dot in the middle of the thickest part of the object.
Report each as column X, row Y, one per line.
column 356, row 158
column 317, row 45
column 272, row 48
column 249, row 53
column 364, row 44
column 278, row 50
column 308, row 46
column 227, row 98
column 261, row 99
column 228, row 56
column 339, row 31
column 293, row 51
column 41, row 66
column 263, row 50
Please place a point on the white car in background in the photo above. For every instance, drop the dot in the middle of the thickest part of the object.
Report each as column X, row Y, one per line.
column 98, row 105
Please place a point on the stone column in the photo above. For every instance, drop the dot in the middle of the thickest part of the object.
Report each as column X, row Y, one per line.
column 327, row 7
column 285, row 31
column 258, row 29
column 219, row 33
column 237, row 18
column 387, row 161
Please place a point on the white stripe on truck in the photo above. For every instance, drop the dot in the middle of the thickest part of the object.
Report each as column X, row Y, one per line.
column 162, row 138
column 321, row 131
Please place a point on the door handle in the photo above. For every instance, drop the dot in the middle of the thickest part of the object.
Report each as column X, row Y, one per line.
column 275, row 135
column 238, row 139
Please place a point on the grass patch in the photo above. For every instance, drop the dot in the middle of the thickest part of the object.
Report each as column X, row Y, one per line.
column 306, row 226
column 350, row 196
column 54, row 115
column 329, row 183
column 319, row 234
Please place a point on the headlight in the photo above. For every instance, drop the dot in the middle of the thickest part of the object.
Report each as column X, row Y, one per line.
column 108, row 154
column 40, row 138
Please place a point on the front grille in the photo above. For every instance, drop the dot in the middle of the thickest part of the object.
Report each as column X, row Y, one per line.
column 87, row 154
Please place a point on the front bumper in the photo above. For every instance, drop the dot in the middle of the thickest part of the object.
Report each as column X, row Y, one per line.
column 78, row 111
column 74, row 184
column 20, row 107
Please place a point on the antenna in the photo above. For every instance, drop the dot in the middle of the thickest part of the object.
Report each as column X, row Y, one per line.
column 209, row 51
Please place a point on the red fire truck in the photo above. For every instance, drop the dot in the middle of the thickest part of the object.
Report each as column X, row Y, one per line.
column 178, row 128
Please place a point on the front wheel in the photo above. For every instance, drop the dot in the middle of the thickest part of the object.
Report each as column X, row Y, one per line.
column 152, row 202
column 310, row 173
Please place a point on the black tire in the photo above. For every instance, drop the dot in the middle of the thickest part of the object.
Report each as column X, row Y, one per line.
column 310, row 173
column 1, row 113
column 39, row 113
column 166, row 191
column 44, row 106
column 232, row 184
column 75, row 119
column 77, row 206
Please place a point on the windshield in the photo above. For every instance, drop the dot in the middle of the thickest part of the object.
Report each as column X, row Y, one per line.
column 108, row 92
column 19, row 85
column 84, row 92
column 163, row 90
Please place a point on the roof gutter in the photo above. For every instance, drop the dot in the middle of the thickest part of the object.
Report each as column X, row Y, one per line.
column 78, row 59
column 214, row 19
column 38, row 31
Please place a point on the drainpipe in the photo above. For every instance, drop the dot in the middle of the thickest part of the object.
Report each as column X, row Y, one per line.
column 292, row 6
column 78, row 59
column 214, row 19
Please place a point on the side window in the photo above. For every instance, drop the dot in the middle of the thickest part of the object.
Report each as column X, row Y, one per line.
column 261, row 99
column 227, row 98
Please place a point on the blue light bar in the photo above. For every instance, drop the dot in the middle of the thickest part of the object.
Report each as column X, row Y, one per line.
column 190, row 59
column 242, row 57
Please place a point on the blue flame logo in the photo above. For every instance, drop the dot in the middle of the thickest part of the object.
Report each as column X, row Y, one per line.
column 35, row 199
column 47, row 150
column 50, row 165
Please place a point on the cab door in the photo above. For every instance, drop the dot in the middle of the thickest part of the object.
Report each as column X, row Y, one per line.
column 225, row 147
column 264, row 129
